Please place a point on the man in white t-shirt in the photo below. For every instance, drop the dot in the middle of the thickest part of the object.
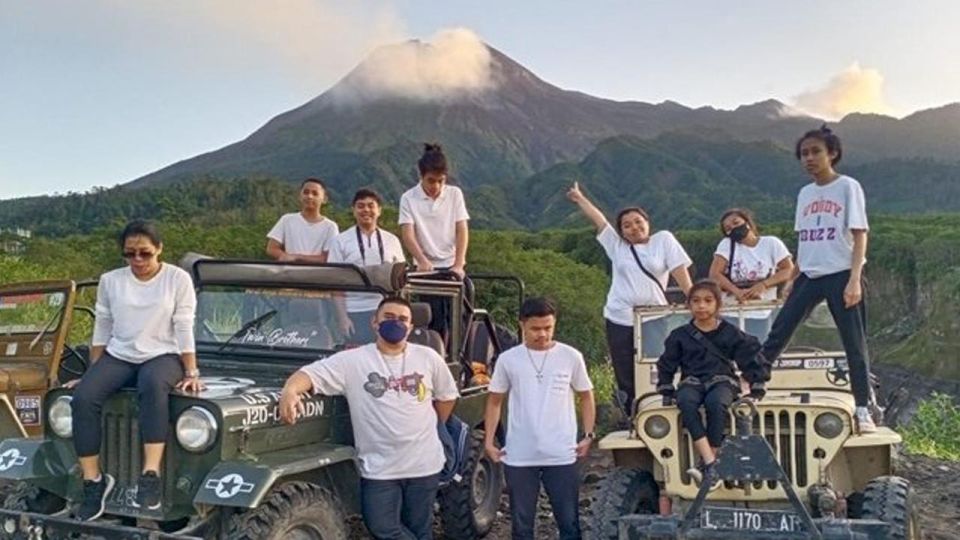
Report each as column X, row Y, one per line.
column 303, row 236
column 831, row 225
column 364, row 244
column 541, row 376
column 396, row 392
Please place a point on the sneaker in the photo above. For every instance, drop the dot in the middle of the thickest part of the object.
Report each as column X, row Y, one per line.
column 707, row 473
column 148, row 491
column 94, row 497
column 865, row 420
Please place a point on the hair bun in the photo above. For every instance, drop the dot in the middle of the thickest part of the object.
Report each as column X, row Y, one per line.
column 825, row 129
column 431, row 147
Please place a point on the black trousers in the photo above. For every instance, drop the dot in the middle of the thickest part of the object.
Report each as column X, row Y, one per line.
column 562, row 484
column 620, row 346
column 716, row 402
column 153, row 379
column 851, row 322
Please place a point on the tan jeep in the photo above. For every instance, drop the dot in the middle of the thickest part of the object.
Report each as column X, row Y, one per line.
column 836, row 482
column 35, row 321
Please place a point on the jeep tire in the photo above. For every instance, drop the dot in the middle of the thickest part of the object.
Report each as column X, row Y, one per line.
column 890, row 499
column 294, row 507
column 621, row 492
column 468, row 509
column 26, row 497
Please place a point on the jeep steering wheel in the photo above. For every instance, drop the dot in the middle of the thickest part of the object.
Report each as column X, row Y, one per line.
column 76, row 354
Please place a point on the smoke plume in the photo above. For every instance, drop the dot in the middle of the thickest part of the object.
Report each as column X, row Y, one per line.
column 855, row 89
column 454, row 63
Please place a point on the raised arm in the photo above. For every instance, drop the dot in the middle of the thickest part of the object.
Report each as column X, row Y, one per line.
column 592, row 212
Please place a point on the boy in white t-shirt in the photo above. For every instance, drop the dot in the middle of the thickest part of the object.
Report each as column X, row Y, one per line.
column 396, row 392
column 364, row 244
column 433, row 217
column 831, row 225
column 749, row 267
column 304, row 236
column 541, row 376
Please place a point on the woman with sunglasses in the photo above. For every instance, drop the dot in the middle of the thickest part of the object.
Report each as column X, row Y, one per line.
column 142, row 338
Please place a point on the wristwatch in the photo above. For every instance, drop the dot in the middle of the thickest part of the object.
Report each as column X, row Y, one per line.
column 192, row 373
column 591, row 435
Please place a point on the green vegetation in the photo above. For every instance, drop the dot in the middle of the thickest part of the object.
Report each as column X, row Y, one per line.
column 935, row 430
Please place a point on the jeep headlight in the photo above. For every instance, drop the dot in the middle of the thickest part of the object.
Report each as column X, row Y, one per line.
column 828, row 425
column 60, row 417
column 196, row 429
column 657, row 427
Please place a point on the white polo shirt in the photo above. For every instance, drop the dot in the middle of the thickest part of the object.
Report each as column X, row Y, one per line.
column 391, row 406
column 541, row 414
column 301, row 237
column 365, row 250
column 435, row 221
column 826, row 217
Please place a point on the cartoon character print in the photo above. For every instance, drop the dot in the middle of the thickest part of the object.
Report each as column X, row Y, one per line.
column 741, row 272
column 377, row 385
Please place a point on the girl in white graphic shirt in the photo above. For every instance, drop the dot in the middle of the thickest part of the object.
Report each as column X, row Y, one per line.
column 831, row 225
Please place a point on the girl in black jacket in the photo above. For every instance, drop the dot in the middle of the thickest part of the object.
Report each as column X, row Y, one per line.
column 708, row 352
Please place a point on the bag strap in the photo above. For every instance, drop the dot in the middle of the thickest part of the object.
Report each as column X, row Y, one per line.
column 647, row 272
column 709, row 346
column 733, row 246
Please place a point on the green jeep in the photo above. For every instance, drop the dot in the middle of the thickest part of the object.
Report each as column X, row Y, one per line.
column 232, row 469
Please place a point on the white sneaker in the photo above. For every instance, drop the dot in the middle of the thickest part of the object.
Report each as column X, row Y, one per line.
column 865, row 420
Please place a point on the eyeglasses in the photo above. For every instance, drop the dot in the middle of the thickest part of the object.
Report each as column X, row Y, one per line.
column 139, row 254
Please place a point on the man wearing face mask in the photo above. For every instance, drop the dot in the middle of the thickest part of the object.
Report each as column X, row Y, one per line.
column 397, row 392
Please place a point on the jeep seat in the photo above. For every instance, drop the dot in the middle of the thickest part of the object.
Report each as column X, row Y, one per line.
column 422, row 334
column 22, row 376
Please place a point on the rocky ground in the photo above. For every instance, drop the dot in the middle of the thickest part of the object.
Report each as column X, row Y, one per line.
column 936, row 484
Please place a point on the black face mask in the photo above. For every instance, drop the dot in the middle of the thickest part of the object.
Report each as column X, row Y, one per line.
column 738, row 233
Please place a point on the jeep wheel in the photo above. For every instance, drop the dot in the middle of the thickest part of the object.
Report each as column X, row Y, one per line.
column 890, row 500
column 622, row 492
column 294, row 511
column 29, row 498
column 468, row 508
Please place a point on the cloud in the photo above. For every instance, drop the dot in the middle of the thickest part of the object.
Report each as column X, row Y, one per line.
column 855, row 89
column 453, row 63
column 310, row 41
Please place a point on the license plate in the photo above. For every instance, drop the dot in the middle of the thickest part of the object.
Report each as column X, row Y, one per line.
column 740, row 519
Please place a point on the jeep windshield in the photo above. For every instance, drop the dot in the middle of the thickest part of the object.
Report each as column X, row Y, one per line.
column 28, row 312
column 283, row 319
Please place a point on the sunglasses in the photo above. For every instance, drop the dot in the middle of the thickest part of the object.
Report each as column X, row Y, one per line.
column 140, row 254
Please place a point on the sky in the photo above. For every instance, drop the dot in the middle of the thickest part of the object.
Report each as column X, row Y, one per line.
column 100, row 92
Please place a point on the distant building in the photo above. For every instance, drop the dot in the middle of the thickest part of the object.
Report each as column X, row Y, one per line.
column 13, row 240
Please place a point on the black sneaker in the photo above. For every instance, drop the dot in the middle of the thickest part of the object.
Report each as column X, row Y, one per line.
column 94, row 497
column 148, row 491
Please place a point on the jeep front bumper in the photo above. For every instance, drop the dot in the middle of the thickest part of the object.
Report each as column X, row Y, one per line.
column 31, row 526
column 644, row 527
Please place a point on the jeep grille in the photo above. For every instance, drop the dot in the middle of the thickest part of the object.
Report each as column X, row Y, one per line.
column 122, row 449
column 786, row 431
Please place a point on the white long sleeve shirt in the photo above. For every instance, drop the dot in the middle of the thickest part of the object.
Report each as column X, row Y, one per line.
column 139, row 320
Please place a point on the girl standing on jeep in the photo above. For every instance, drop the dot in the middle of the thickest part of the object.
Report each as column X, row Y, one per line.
column 831, row 225
column 748, row 267
column 707, row 351
column 142, row 338
column 642, row 264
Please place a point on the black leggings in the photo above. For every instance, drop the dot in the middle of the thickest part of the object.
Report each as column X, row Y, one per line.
column 716, row 402
column 851, row 322
column 153, row 379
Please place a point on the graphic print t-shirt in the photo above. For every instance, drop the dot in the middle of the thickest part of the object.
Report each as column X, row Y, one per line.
column 826, row 216
column 753, row 263
column 391, row 406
